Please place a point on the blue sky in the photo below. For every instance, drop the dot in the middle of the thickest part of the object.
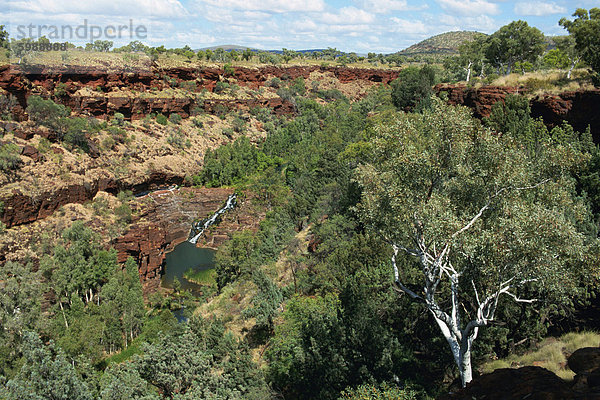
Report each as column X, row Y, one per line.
column 354, row 25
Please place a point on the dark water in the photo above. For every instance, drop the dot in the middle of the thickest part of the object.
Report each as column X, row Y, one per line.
column 185, row 256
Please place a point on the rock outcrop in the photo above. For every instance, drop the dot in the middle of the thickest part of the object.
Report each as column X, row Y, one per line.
column 538, row 383
column 21, row 208
column 112, row 92
column 532, row 383
column 579, row 108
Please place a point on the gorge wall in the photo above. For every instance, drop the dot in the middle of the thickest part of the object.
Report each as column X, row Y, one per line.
column 579, row 108
column 112, row 92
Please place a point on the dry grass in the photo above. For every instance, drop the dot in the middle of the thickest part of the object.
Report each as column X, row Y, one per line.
column 541, row 82
column 551, row 354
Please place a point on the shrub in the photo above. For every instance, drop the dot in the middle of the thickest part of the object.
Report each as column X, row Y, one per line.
column 176, row 139
column 371, row 392
column 220, row 87
column 6, row 105
column 299, row 86
column 9, row 157
column 46, row 112
column 75, row 132
column 60, row 89
column 161, row 119
column 118, row 134
column 285, row 94
column 197, row 123
column 239, row 125
column 228, row 132
column 108, row 143
column 228, row 69
column 275, row 83
column 175, row 118
column 413, row 88
column 123, row 213
column 331, row 95
column 118, row 119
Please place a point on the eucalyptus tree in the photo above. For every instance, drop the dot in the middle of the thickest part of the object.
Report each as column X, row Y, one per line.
column 585, row 29
column 45, row 374
column 472, row 54
column 515, row 42
column 567, row 46
column 472, row 218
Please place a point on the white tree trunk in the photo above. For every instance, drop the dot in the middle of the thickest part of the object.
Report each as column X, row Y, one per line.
column 460, row 351
column 466, row 372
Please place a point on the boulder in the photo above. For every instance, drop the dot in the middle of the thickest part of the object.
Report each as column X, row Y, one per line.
column 585, row 359
column 531, row 383
column 31, row 152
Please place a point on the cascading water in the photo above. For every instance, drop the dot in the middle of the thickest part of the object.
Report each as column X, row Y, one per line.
column 199, row 227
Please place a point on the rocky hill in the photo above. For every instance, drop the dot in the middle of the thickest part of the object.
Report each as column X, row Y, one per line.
column 443, row 44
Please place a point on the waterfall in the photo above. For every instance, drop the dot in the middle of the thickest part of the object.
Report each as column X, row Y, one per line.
column 199, row 227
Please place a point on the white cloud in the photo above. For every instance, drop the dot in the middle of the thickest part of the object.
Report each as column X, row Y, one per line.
column 469, row 7
column 383, row 6
column 131, row 8
column 348, row 16
column 481, row 23
column 408, row 26
column 273, row 6
column 539, row 9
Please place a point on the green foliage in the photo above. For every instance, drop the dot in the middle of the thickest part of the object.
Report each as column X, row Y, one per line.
column 99, row 45
column 175, row 118
column 46, row 112
column 413, row 88
column 122, row 298
column 246, row 251
column 123, row 213
column 3, row 37
column 231, row 163
column 118, row 119
column 46, row 374
column 515, row 42
column 326, row 343
column 201, row 361
column 72, row 131
column 221, row 86
column 275, row 83
column 10, row 159
column 161, row 119
column 20, row 289
column 238, row 124
column 265, row 304
column 585, row 29
column 123, row 382
column 513, row 117
column 555, row 58
column 435, row 172
column 384, row 392
column 228, row 69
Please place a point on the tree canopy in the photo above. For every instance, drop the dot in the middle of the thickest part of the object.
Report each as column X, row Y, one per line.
column 476, row 215
column 515, row 42
column 585, row 29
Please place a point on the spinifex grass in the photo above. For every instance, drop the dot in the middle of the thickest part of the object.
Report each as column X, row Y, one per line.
column 551, row 354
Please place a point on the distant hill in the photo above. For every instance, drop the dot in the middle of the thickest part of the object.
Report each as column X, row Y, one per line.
column 228, row 47
column 443, row 44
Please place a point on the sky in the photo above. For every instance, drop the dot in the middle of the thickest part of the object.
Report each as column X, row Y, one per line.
column 382, row 26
